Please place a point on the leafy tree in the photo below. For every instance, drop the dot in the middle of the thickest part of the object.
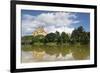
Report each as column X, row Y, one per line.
column 51, row 37
column 86, row 38
column 57, row 34
column 38, row 38
column 80, row 29
column 74, row 36
column 80, row 36
column 33, row 40
column 26, row 39
column 58, row 38
column 64, row 37
column 59, row 41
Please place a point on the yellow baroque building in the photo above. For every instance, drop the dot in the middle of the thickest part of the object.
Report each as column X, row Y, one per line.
column 39, row 31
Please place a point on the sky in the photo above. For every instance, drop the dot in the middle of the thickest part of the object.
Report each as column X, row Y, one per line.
column 53, row 21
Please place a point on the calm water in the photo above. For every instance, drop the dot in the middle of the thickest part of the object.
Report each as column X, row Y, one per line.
column 54, row 53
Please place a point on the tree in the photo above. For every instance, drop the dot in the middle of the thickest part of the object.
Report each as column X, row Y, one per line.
column 79, row 35
column 38, row 38
column 64, row 37
column 59, row 41
column 80, row 29
column 57, row 34
column 86, row 38
column 33, row 40
column 25, row 40
column 74, row 36
column 58, row 38
column 51, row 37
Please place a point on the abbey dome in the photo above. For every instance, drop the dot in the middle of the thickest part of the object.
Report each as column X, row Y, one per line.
column 39, row 31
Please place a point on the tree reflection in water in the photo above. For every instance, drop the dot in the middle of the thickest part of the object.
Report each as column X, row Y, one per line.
column 46, row 53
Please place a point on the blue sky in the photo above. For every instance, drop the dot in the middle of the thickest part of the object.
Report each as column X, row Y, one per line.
column 53, row 21
column 84, row 19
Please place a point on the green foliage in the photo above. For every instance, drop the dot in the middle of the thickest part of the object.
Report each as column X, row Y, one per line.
column 86, row 38
column 78, row 36
column 38, row 38
column 64, row 37
column 58, row 38
column 26, row 39
column 51, row 37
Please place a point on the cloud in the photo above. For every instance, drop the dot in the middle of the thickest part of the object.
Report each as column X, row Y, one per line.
column 51, row 21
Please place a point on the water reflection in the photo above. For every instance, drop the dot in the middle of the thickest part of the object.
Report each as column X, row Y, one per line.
column 57, row 53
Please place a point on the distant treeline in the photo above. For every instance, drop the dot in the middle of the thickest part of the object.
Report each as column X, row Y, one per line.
column 79, row 35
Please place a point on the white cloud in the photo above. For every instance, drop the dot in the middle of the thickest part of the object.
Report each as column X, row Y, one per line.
column 58, row 21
